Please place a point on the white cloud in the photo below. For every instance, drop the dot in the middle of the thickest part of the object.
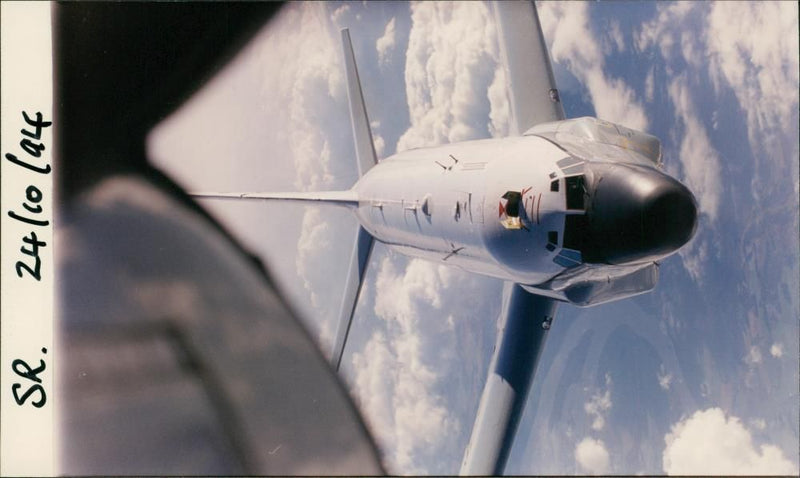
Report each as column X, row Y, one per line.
column 386, row 43
column 691, row 49
column 776, row 350
column 375, row 387
column 659, row 32
column 377, row 140
column 694, row 256
column 313, row 240
column 708, row 442
column 649, row 85
column 759, row 423
column 598, row 406
column 753, row 48
column 451, row 61
column 500, row 107
column 575, row 45
column 395, row 381
column 750, row 47
column 301, row 64
column 615, row 35
column 664, row 379
column 698, row 157
column 753, row 356
column 379, row 143
column 700, row 164
column 337, row 16
column 592, row 456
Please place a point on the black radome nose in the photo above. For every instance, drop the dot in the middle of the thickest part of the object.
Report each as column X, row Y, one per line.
column 636, row 214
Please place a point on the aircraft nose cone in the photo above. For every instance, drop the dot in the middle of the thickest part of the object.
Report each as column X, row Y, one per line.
column 669, row 217
column 637, row 214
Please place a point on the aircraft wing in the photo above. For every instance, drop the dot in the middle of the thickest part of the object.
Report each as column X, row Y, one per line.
column 524, row 320
column 525, row 317
column 344, row 198
column 532, row 86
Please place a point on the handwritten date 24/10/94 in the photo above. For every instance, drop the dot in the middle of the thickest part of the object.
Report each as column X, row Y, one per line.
column 33, row 145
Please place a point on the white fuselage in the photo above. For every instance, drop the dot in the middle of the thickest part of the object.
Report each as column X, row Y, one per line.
column 446, row 204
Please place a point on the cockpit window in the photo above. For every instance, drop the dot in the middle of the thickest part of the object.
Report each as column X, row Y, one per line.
column 575, row 191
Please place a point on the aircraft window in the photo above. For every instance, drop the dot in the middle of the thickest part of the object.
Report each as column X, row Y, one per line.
column 576, row 169
column 552, row 237
column 567, row 162
column 575, row 191
column 550, row 247
column 575, row 232
column 554, row 186
column 571, row 255
column 565, row 261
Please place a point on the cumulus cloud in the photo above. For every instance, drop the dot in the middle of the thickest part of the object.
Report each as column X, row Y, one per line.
column 574, row 44
column 592, row 456
column 451, row 62
column 377, row 140
column 302, row 65
column 709, row 443
column 301, row 82
column 337, row 16
column 598, row 406
column 314, row 238
column 776, row 350
column 386, row 43
column 394, row 377
column 499, row 106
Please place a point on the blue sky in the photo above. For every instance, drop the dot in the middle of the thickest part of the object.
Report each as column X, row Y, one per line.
column 655, row 384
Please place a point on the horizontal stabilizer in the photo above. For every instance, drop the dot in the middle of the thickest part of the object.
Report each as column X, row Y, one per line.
column 342, row 198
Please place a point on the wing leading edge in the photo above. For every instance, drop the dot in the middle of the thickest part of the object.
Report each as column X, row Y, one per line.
column 533, row 92
column 525, row 320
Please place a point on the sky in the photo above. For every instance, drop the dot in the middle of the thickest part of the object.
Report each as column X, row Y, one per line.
column 700, row 376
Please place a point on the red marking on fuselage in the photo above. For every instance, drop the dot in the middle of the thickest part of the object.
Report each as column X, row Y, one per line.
column 533, row 205
column 537, row 208
column 501, row 209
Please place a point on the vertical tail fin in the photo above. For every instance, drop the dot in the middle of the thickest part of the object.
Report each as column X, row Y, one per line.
column 365, row 149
